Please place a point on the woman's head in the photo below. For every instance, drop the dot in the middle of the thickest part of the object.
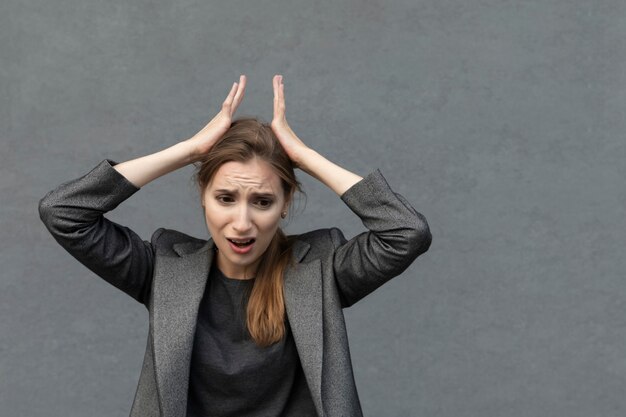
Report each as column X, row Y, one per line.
column 246, row 139
column 246, row 184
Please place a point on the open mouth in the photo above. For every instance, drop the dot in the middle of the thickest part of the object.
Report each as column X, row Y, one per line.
column 242, row 243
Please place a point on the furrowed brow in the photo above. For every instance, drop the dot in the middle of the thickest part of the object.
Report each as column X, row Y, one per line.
column 269, row 195
column 256, row 193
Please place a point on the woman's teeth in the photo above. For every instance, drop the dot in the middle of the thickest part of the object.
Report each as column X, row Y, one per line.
column 242, row 243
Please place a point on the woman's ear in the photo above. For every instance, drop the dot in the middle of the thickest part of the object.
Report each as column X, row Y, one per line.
column 284, row 210
column 287, row 203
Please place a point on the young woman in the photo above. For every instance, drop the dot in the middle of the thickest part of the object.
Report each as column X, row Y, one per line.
column 248, row 322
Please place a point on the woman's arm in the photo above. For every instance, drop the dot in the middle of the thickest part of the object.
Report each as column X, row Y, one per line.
column 332, row 175
column 397, row 233
column 142, row 170
column 74, row 211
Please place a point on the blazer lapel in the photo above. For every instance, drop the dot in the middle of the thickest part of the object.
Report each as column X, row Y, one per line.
column 177, row 293
column 303, row 304
column 178, row 290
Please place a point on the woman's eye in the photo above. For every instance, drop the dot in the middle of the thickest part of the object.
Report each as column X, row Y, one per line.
column 224, row 199
column 264, row 203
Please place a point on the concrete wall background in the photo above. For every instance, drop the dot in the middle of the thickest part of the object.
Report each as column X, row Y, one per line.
column 501, row 121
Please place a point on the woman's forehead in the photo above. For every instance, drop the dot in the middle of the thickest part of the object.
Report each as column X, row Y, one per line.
column 254, row 175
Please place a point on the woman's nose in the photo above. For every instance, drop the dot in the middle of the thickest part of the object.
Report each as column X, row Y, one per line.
column 242, row 221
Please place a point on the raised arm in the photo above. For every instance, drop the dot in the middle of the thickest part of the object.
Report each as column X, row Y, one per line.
column 397, row 232
column 333, row 176
column 74, row 211
column 142, row 170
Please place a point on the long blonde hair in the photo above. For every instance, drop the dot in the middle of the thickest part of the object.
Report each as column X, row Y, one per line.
column 245, row 139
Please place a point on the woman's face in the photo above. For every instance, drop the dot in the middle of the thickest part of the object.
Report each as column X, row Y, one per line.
column 243, row 202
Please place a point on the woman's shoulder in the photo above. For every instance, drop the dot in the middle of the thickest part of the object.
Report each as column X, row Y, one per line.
column 319, row 242
column 313, row 236
column 171, row 241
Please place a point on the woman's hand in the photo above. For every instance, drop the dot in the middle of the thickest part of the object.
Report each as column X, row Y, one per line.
column 293, row 146
column 332, row 175
column 202, row 141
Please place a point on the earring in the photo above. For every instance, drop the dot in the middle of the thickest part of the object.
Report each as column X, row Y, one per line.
column 283, row 214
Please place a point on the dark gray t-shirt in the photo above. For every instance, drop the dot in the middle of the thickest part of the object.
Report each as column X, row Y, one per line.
column 230, row 375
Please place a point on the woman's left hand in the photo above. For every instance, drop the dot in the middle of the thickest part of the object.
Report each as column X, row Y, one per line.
column 293, row 146
column 332, row 175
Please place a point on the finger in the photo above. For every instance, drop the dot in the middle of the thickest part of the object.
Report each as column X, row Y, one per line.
column 242, row 87
column 279, row 101
column 275, row 82
column 231, row 95
column 240, row 91
column 281, row 95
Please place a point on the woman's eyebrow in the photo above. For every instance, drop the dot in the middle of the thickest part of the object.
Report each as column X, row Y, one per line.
column 265, row 195
column 254, row 193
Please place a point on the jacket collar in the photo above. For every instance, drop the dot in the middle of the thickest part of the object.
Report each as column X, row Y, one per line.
column 176, row 294
column 300, row 248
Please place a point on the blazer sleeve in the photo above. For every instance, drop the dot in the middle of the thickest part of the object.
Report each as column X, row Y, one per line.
column 397, row 234
column 73, row 213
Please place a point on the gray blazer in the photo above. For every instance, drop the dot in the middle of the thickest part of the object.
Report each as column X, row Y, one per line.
column 169, row 273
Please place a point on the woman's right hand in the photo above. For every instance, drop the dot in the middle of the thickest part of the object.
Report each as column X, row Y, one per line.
column 204, row 140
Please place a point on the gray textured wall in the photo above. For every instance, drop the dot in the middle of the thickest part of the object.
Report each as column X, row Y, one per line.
column 501, row 121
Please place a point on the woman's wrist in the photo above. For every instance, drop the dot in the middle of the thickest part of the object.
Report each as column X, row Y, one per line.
column 332, row 175
column 190, row 150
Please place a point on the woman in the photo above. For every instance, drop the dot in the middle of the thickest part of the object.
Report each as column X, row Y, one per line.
column 248, row 322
